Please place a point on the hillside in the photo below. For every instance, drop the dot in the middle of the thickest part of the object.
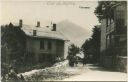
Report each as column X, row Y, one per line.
column 73, row 32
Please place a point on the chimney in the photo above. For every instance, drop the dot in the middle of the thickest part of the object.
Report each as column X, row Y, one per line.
column 38, row 24
column 20, row 23
column 10, row 25
column 54, row 27
column 34, row 32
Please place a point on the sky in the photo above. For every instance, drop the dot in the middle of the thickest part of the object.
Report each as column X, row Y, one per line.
column 46, row 11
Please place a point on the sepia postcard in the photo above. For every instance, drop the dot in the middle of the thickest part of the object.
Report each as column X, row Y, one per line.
column 76, row 40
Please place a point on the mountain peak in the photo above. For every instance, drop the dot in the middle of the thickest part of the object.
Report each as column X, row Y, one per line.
column 75, row 33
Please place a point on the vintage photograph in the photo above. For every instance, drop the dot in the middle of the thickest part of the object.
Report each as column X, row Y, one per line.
column 43, row 40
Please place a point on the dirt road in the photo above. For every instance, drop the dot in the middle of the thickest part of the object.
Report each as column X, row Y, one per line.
column 94, row 73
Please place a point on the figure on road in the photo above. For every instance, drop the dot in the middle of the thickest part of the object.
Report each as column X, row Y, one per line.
column 84, row 61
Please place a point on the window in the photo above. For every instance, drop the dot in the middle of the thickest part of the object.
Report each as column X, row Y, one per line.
column 34, row 32
column 42, row 44
column 49, row 45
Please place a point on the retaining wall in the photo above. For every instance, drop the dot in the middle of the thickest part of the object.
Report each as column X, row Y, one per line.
column 122, row 64
column 58, row 67
column 119, row 63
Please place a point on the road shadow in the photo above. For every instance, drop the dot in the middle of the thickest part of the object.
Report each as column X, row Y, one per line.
column 99, row 68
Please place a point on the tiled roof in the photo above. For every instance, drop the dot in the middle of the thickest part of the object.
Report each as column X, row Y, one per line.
column 43, row 32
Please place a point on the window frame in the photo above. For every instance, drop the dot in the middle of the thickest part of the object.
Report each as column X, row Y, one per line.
column 42, row 44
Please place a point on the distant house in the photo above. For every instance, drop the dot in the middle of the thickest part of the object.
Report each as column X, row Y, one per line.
column 46, row 43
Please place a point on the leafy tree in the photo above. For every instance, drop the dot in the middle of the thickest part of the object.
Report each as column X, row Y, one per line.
column 92, row 45
column 87, row 46
column 105, row 9
column 12, row 45
column 96, row 43
column 73, row 50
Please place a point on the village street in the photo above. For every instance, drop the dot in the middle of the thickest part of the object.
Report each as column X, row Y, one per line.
column 94, row 73
column 46, row 44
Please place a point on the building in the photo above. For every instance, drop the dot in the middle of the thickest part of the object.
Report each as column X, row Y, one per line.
column 46, row 43
column 114, row 38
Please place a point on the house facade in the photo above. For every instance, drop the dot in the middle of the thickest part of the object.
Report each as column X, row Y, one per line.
column 114, row 38
column 46, row 43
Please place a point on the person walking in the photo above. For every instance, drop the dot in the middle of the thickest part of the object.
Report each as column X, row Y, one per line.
column 84, row 61
column 76, row 60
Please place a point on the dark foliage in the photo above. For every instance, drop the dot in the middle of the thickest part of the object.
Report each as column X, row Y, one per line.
column 91, row 47
column 105, row 9
column 73, row 50
column 12, row 46
column 13, row 42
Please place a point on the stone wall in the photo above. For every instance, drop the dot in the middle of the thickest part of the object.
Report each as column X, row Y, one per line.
column 119, row 63
column 56, row 68
column 122, row 64
column 107, row 61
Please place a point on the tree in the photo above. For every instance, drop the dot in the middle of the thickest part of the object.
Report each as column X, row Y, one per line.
column 86, row 47
column 73, row 50
column 12, row 45
column 91, row 47
column 105, row 9
column 96, row 43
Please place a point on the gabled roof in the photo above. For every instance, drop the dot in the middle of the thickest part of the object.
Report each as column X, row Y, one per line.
column 43, row 32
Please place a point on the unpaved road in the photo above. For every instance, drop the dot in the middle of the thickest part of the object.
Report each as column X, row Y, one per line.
column 93, row 73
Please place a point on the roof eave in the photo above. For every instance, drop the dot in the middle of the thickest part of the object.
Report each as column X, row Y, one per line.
column 47, row 37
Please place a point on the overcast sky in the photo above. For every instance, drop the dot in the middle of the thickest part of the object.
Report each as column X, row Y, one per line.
column 45, row 12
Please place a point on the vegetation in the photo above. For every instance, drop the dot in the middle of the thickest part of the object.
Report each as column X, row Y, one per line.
column 73, row 50
column 91, row 47
column 12, row 46
column 105, row 9
column 113, row 10
column 13, row 50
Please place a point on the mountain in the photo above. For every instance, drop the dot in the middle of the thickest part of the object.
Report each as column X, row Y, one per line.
column 73, row 32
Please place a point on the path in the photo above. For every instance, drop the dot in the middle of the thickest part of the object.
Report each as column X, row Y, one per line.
column 94, row 73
